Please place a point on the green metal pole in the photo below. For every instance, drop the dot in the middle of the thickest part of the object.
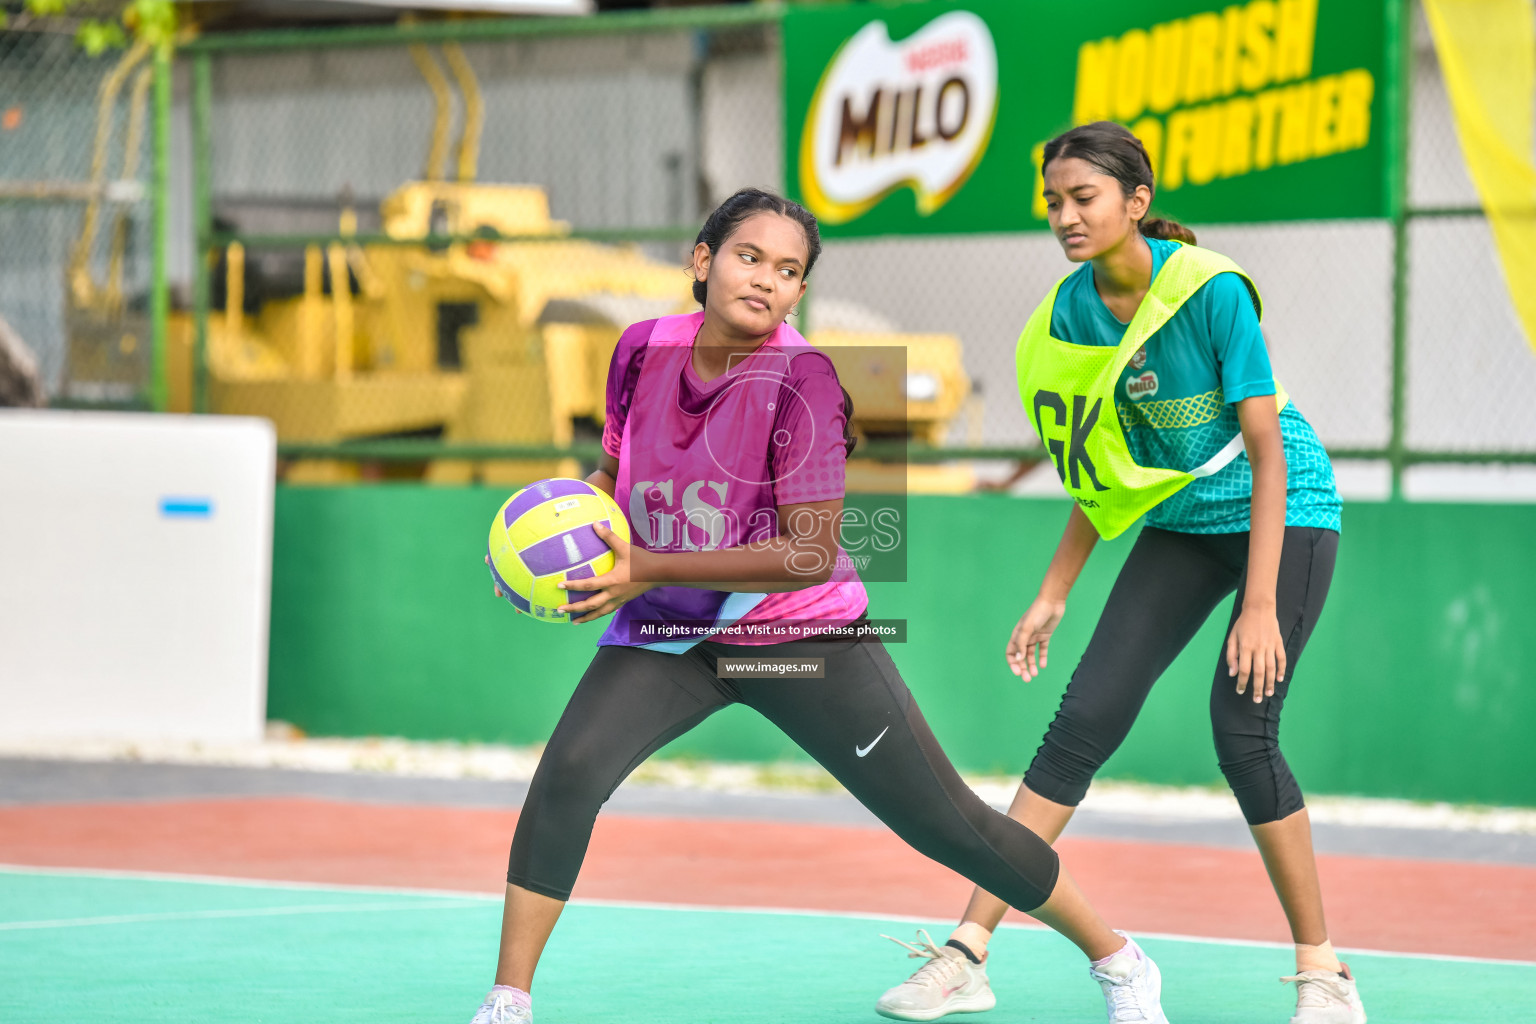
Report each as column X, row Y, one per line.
column 202, row 212
column 1399, row 61
column 159, row 289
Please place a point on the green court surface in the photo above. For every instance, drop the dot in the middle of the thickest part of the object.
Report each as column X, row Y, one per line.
column 132, row 949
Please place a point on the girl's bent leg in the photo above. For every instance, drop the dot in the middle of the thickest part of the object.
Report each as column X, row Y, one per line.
column 1165, row 591
column 629, row 703
column 1168, row 587
column 861, row 724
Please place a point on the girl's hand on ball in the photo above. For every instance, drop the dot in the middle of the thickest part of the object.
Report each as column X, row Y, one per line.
column 495, row 587
column 613, row 588
column 1256, row 653
column 1031, row 639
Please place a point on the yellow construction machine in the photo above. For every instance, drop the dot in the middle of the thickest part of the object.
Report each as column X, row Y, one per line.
column 493, row 341
column 488, row 341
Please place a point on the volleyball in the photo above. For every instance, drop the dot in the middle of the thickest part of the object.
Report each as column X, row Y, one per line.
column 543, row 535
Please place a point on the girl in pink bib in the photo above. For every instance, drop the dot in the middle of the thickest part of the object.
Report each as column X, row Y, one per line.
column 725, row 444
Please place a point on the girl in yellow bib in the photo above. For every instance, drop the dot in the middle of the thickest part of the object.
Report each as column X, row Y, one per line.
column 1145, row 374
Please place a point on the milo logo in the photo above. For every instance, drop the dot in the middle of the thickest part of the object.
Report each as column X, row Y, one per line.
column 916, row 113
column 1141, row 387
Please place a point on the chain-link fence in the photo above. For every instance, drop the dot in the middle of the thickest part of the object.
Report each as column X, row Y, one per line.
column 499, row 203
column 499, row 199
column 1330, row 323
column 1469, row 365
column 76, row 214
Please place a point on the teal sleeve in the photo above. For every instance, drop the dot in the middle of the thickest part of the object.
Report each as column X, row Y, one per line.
column 1236, row 340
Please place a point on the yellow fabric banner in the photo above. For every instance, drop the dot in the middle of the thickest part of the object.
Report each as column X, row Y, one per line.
column 1487, row 51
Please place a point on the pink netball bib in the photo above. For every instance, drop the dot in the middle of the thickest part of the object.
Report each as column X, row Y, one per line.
column 704, row 466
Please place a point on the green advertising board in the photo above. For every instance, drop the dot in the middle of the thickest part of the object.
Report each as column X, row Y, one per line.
column 930, row 117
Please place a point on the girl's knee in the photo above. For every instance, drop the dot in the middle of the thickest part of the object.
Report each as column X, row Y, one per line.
column 571, row 777
column 1264, row 786
column 1064, row 767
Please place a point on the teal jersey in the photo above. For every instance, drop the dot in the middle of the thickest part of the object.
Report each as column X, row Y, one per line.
column 1176, row 401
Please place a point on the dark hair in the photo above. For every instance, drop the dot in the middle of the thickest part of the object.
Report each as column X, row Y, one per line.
column 729, row 215
column 1112, row 149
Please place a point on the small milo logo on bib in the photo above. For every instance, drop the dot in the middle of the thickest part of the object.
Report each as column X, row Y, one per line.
column 1141, row 387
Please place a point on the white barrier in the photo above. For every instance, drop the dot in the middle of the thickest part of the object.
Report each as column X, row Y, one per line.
column 135, row 575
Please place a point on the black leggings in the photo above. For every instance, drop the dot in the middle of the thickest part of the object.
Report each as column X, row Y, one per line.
column 1167, row 589
column 632, row 701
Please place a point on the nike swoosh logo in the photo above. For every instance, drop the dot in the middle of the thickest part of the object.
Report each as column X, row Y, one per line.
column 861, row 751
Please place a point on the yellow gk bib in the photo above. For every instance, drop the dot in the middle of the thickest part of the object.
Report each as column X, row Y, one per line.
column 1069, row 393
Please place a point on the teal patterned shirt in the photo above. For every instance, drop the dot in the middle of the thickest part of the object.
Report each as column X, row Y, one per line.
column 1176, row 401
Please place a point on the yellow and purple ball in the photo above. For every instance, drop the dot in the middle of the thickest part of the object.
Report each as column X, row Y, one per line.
column 543, row 535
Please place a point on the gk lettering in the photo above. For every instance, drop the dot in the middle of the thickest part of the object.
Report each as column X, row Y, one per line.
column 1070, row 456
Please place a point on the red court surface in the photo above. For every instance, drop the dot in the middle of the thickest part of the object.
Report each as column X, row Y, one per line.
column 1434, row 907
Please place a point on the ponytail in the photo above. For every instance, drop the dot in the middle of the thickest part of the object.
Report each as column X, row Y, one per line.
column 1162, row 227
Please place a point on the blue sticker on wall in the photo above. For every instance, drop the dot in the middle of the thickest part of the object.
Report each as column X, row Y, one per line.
column 186, row 508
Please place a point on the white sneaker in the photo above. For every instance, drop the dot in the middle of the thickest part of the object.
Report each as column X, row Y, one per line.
column 947, row 983
column 1133, row 986
column 1325, row 997
column 499, row 1008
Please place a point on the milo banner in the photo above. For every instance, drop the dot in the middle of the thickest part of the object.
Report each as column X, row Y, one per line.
column 930, row 117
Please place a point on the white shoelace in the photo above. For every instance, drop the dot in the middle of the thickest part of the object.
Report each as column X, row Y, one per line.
column 1315, row 993
column 940, row 966
column 1124, row 1001
column 505, row 1011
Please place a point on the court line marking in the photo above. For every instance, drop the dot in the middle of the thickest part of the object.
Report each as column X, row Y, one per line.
column 1016, row 926
column 248, row 883
column 197, row 915
column 470, row 896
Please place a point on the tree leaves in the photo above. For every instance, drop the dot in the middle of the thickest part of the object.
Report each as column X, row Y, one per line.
column 153, row 21
column 95, row 37
column 44, row 8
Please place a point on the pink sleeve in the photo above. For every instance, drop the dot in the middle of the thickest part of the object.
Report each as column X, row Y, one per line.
column 623, row 373
column 809, row 453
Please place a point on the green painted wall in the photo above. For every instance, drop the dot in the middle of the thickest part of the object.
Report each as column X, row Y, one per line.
column 1415, row 684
